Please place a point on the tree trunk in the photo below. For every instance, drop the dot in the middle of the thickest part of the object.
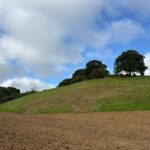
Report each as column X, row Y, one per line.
column 130, row 73
column 142, row 74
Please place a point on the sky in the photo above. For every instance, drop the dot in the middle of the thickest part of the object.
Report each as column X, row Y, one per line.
column 43, row 42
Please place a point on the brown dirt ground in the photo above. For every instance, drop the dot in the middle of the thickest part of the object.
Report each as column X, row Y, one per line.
column 91, row 131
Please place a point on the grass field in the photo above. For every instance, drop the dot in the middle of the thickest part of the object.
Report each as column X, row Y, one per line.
column 109, row 94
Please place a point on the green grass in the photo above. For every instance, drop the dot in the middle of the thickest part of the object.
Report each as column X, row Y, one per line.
column 109, row 94
column 55, row 110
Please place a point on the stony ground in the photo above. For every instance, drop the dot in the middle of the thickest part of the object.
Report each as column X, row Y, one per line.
column 93, row 131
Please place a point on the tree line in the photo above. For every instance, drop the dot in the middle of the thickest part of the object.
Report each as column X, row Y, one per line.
column 129, row 63
column 10, row 93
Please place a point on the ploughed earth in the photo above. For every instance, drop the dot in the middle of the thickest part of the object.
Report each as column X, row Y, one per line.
column 89, row 131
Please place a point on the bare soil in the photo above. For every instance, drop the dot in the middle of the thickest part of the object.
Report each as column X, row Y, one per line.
column 90, row 131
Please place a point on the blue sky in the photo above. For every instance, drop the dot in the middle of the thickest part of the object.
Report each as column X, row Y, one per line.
column 43, row 42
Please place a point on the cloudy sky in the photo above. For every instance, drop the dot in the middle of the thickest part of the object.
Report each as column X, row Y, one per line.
column 44, row 41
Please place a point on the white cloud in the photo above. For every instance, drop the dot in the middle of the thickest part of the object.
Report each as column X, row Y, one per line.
column 25, row 84
column 120, row 31
column 139, row 9
column 100, row 54
column 7, row 69
column 123, row 31
column 33, row 33
column 147, row 63
column 35, row 29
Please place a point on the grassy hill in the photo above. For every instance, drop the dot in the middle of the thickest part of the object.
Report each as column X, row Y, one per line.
column 109, row 94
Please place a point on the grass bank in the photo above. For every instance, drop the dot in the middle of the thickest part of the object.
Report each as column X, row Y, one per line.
column 109, row 94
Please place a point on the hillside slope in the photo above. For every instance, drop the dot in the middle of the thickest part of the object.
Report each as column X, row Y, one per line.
column 109, row 94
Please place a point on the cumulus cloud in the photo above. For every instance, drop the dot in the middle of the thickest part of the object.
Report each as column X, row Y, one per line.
column 34, row 31
column 147, row 63
column 103, row 54
column 9, row 69
column 26, row 83
column 124, row 31
column 139, row 9
column 120, row 31
column 44, row 36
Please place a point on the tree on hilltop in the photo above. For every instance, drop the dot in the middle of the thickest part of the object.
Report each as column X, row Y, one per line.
column 130, row 62
column 94, row 69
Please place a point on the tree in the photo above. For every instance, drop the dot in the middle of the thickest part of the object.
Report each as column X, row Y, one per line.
column 130, row 62
column 8, row 93
column 94, row 69
column 96, row 65
column 97, row 73
column 64, row 82
column 79, row 75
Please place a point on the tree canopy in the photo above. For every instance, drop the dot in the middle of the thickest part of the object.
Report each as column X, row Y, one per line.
column 94, row 69
column 130, row 62
column 8, row 93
